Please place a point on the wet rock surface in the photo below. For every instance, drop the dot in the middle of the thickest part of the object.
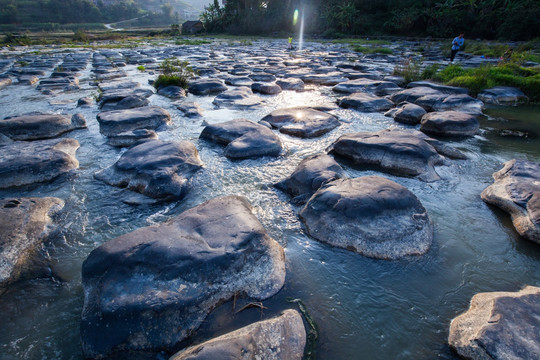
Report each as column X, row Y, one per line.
column 503, row 95
column 499, row 325
column 25, row 163
column 240, row 98
column 24, row 224
column 155, row 168
column 149, row 289
column 373, row 216
column 366, row 102
column 283, row 337
column 449, row 123
column 112, row 123
column 516, row 190
column 39, row 126
column 244, row 139
column 302, row 122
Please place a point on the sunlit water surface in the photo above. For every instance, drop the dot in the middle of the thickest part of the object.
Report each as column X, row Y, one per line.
column 364, row 308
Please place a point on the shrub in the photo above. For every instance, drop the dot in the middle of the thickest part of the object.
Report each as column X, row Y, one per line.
column 141, row 68
column 450, row 72
column 175, row 72
column 80, row 36
column 409, row 69
column 430, row 71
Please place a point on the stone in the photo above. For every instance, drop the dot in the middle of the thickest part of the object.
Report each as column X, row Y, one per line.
column 244, row 139
column 366, row 102
column 283, row 337
column 239, row 98
column 172, row 92
column 291, row 84
column 5, row 81
column 265, row 88
column 189, row 108
column 110, row 98
column 28, row 80
column 453, row 90
column 312, row 173
column 364, row 85
column 449, row 123
column 499, row 325
column 399, row 152
column 85, row 101
column 129, row 102
column 206, row 86
column 302, row 122
column 155, row 168
column 409, row 114
column 25, row 163
column 148, row 290
column 516, row 190
column 24, row 224
column 371, row 215
column 112, row 123
column 262, row 77
column 38, row 126
column 117, row 85
column 413, row 94
column 238, row 81
column 503, row 95
column 329, row 79
column 61, row 83
column 129, row 138
column 463, row 103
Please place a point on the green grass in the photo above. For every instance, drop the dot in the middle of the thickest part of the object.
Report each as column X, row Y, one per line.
column 372, row 50
column 192, row 42
column 361, row 42
column 170, row 80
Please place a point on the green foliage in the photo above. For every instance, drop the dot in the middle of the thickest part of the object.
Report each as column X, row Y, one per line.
column 141, row 68
column 175, row 72
column 191, row 42
column 11, row 39
column 80, row 35
column 373, row 50
column 430, row 71
column 22, row 63
column 409, row 69
column 175, row 30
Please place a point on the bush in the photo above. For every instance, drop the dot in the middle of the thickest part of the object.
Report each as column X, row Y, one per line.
column 175, row 72
column 80, row 36
column 171, row 80
column 430, row 71
column 409, row 69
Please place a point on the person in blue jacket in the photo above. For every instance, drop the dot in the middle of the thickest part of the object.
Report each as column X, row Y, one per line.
column 456, row 44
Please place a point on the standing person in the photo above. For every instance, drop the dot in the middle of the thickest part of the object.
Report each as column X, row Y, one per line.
column 456, row 44
column 290, row 43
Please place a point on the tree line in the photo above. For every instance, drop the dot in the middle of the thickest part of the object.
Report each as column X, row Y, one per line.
column 486, row 19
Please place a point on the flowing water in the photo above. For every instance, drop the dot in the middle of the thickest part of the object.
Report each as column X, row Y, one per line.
column 364, row 308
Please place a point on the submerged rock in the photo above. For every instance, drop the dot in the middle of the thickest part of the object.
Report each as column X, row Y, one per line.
column 189, row 108
column 155, row 168
column 148, row 290
column 112, row 123
column 449, row 123
column 24, row 224
column 25, row 163
column 366, row 102
column 371, row 215
column 516, row 190
column 283, row 337
column 400, row 152
column 40, row 126
column 503, row 95
column 499, row 325
column 244, row 139
column 302, row 122
column 312, row 173
column 129, row 138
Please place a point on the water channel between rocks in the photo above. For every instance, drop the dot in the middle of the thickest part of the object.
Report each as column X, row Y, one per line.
column 364, row 308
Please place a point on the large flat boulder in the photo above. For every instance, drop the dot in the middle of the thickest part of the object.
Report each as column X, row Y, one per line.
column 112, row 123
column 206, row 86
column 453, row 90
column 399, row 152
column 366, row 102
column 155, row 168
column 449, row 123
column 40, row 126
column 365, row 85
column 244, row 139
column 413, row 94
column 189, row 108
column 239, row 98
column 124, row 98
column 407, row 113
column 25, row 163
column 312, row 173
column 516, row 190
column 499, row 325
column 24, row 224
column 148, row 290
column 302, row 122
column 283, row 337
column 503, row 95
column 371, row 215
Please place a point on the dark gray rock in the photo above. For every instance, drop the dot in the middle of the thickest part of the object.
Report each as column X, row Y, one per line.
column 189, row 108
column 463, row 103
column 25, row 163
column 62, row 83
column 291, row 84
column 366, row 102
column 39, row 126
column 111, row 98
column 371, row 215
column 365, row 85
column 283, row 337
column 117, row 85
column 439, row 87
column 129, row 138
column 449, row 123
column 265, row 88
column 24, row 224
column 155, row 168
column 312, row 173
column 206, row 86
column 85, row 101
column 503, row 95
column 239, row 98
column 408, row 113
column 262, row 77
column 129, row 102
column 112, row 123
column 516, row 190
column 244, row 139
column 413, row 94
column 28, row 80
column 329, row 79
column 238, row 81
column 302, row 122
column 400, row 152
column 5, row 81
column 499, row 325
column 148, row 290
column 172, row 92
